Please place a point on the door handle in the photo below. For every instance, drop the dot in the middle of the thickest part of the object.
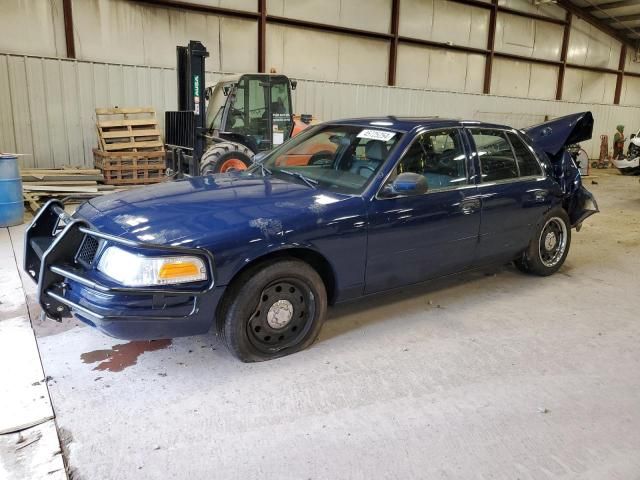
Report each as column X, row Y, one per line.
column 540, row 195
column 470, row 206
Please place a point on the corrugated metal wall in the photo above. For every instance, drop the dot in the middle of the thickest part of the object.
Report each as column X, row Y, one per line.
column 47, row 104
column 125, row 31
column 330, row 100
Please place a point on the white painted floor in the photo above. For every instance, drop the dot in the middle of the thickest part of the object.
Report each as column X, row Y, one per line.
column 487, row 376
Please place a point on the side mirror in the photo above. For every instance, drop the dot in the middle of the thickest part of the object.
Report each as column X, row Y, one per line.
column 407, row 184
column 227, row 89
column 294, row 84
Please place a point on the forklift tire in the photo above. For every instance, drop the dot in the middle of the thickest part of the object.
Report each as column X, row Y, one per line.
column 225, row 157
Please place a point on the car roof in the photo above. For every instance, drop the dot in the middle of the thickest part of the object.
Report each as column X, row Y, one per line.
column 406, row 124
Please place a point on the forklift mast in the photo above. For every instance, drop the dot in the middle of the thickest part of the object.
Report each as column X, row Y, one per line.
column 250, row 113
column 185, row 128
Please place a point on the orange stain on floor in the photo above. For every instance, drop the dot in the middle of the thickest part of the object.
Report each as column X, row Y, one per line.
column 123, row 355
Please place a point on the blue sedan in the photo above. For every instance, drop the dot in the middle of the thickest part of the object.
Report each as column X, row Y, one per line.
column 345, row 209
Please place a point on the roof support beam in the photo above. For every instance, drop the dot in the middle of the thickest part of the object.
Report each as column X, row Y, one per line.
column 491, row 40
column 610, row 5
column 393, row 48
column 67, row 12
column 620, row 79
column 563, row 56
column 621, row 18
column 262, row 35
column 198, row 7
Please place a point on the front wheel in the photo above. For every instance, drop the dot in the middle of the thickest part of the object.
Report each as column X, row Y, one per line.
column 549, row 246
column 273, row 310
column 225, row 157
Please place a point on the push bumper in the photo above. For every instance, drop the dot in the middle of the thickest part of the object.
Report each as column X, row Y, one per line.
column 59, row 252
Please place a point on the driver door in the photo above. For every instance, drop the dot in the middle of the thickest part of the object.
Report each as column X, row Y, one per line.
column 415, row 237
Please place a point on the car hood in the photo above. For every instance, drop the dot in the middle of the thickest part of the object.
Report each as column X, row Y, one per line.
column 193, row 212
column 552, row 136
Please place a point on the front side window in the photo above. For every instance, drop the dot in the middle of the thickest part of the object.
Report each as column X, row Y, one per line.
column 497, row 161
column 527, row 163
column 439, row 157
column 341, row 158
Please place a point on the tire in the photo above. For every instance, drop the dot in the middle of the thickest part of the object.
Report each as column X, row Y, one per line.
column 273, row 310
column 549, row 246
column 225, row 157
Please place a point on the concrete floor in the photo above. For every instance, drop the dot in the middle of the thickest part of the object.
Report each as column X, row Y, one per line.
column 488, row 375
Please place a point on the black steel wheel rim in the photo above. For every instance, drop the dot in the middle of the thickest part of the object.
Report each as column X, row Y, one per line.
column 283, row 316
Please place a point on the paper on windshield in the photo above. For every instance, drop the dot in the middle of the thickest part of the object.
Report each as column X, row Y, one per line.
column 377, row 135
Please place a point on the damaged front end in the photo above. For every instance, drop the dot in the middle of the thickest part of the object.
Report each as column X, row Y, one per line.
column 552, row 138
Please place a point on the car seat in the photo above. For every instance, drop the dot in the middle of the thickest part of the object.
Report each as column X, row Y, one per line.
column 375, row 152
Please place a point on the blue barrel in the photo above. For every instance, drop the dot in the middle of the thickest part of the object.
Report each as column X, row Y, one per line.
column 11, row 204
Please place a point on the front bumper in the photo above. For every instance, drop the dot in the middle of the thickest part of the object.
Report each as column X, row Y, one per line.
column 68, row 284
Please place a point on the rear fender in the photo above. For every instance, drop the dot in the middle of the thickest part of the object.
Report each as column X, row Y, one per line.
column 577, row 200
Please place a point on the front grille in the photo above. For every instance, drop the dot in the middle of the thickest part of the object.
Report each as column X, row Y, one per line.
column 87, row 251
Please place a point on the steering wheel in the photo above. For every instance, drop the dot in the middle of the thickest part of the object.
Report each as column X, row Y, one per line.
column 234, row 112
column 366, row 167
column 323, row 157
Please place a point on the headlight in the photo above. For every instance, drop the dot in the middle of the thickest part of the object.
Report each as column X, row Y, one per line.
column 134, row 270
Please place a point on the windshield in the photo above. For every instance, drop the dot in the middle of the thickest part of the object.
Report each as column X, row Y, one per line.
column 341, row 158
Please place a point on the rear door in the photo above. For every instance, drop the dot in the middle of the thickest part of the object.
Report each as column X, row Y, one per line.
column 416, row 237
column 513, row 191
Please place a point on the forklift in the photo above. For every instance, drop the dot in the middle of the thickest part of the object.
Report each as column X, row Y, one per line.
column 244, row 115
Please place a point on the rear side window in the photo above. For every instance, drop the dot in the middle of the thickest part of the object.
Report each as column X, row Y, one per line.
column 527, row 162
column 497, row 161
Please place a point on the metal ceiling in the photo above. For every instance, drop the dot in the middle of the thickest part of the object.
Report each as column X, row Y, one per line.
column 620, row 15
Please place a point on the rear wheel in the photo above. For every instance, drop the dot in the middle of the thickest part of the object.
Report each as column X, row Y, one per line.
column 549, row 246
column 225, row 157
column 273, row 310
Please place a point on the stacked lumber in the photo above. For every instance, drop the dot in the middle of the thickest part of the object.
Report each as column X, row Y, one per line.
column 67, row 183
column 130, row 151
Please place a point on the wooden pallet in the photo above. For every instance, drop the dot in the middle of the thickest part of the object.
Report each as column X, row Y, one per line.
column 68, row 183
column 130, row 168
column 128, row 130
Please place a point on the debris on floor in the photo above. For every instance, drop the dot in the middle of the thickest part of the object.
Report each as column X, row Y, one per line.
column 66, row 183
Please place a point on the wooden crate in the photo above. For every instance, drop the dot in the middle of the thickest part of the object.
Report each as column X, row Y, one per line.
column 130, row 168
column 128, row 130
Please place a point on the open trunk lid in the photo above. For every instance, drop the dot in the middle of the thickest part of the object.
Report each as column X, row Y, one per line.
column 553, row 136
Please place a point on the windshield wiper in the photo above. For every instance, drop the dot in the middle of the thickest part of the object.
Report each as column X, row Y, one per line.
column 309, row 181
column 265, row 171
